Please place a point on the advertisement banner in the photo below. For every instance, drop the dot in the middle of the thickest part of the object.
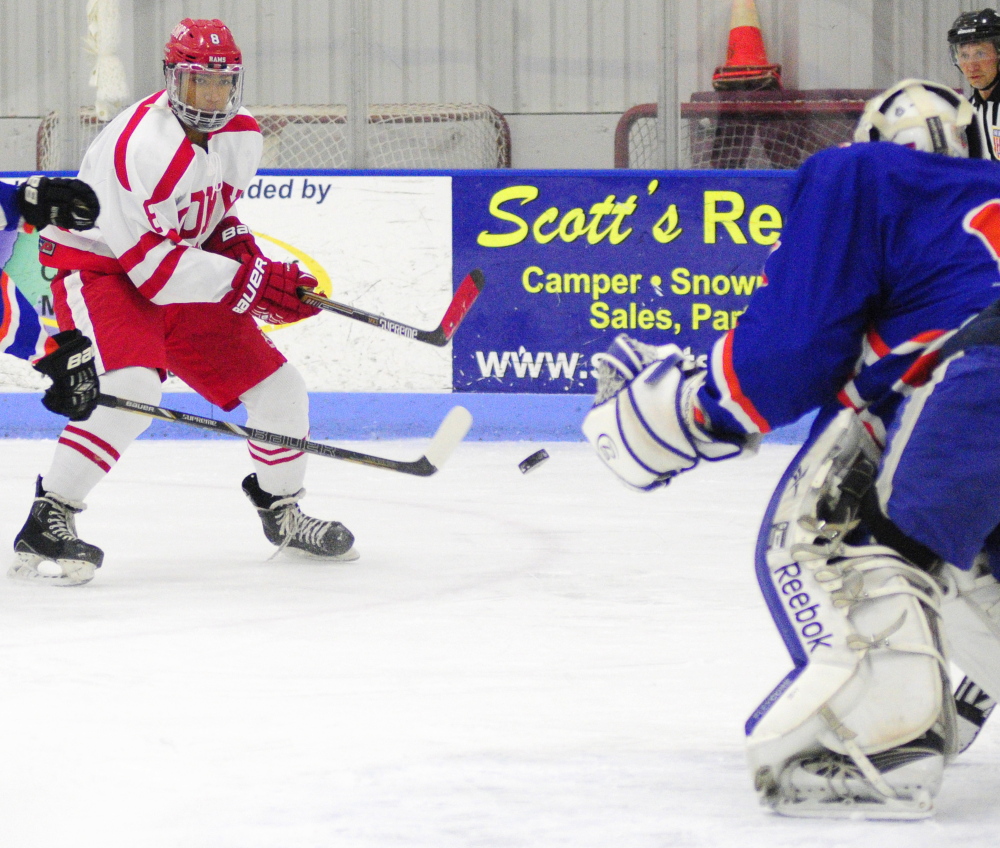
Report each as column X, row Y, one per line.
column 573, row 258
column 381, row 242
column 570, row 259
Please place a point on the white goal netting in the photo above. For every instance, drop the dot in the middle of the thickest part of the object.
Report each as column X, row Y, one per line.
column 405, row 136
column 744, row 130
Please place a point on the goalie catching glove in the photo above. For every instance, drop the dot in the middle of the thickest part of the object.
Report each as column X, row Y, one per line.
column 644, row 422
column 75, row 387
column 67, row 203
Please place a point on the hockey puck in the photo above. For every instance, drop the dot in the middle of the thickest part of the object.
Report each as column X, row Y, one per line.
column 533, row 461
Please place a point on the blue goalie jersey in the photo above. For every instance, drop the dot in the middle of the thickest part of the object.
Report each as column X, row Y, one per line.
column 9, row 214
column 886, row 251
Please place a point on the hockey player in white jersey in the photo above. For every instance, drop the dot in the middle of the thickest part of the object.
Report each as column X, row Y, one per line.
column 171, row 280
column 879, row 553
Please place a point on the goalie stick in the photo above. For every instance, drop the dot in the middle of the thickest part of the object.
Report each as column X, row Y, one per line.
column 450, row 432
column 461, row 303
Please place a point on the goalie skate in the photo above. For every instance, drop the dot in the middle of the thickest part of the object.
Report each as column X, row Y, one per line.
column 286, row 526
column 47, row 550
column 829, row 785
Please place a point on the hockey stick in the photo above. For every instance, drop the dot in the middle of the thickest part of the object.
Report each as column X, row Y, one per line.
column 449, row 433
column 460, row 304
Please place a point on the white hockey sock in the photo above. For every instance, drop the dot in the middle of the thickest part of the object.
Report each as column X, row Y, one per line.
column 279, row 404
column 87, row 450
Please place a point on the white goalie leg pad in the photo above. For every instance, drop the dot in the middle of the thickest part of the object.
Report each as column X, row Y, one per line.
column 864, row 727
column 971, row 613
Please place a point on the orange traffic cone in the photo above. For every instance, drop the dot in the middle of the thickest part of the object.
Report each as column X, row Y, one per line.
column 746, row 68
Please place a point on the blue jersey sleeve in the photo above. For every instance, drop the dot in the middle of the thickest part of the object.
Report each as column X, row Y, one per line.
column 8, row 207
column 798, row 341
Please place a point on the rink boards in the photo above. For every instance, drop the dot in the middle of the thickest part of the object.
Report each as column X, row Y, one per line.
column 570, row 259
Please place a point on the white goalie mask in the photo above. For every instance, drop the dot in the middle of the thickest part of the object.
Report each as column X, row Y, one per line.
column 925, row 116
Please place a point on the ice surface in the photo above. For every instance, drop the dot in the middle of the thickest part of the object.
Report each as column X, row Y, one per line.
column 516, row 660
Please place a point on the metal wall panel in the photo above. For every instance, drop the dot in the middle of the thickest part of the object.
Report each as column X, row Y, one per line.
column 424, row 52
column 285, row 43
column 911, row 40
column 835, row 50
column 590, row 56
column 42, row 55
column 522, row 57
column 828, row 43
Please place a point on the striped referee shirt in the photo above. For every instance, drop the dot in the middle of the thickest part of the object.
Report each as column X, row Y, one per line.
column 989, row 115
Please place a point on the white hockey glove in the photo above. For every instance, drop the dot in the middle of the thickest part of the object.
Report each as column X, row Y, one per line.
column 643, row 423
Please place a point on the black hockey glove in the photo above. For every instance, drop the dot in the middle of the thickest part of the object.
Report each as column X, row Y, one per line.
column 74, row 388
column 65, row 202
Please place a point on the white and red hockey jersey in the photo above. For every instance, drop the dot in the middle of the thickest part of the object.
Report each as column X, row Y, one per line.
column 161, row 197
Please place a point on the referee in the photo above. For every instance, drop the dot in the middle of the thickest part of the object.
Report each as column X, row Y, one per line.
column 974, row 40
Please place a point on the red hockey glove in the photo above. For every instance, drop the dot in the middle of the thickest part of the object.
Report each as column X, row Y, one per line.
column 268, row 290
column 233, row 239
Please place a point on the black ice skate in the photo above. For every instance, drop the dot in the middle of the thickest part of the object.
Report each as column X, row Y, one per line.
column 49, row 536
column 287, row 527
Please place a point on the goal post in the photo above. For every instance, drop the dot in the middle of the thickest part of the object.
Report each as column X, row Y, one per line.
column 744, row 130
column 402, row 136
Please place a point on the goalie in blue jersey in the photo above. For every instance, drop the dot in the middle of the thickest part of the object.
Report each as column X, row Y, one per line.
column 69, row 361
column 881, row 543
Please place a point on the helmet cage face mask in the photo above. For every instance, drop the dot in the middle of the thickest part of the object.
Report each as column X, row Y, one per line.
column 924, row 116
column 182, row 79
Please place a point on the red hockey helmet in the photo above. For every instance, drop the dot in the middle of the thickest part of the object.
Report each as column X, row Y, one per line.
column 203, row 67
column 202, row 42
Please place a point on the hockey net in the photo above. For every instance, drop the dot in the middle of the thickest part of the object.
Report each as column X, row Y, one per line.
column 753, row 130
column 405, row 136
